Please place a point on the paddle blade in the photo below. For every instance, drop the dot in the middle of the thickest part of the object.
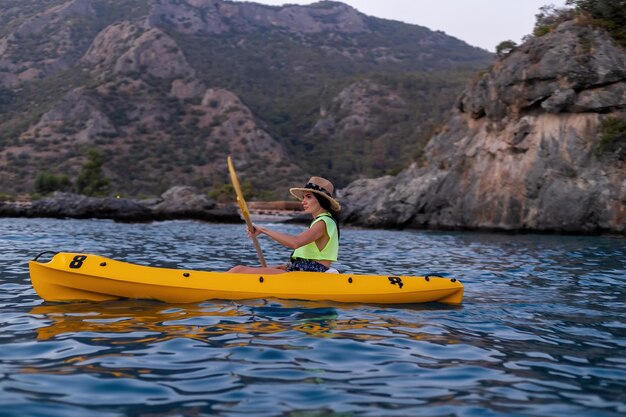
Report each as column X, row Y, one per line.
column 235, row 181
column 245, row 213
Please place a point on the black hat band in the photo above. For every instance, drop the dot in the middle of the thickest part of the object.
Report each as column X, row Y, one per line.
column 316, row 187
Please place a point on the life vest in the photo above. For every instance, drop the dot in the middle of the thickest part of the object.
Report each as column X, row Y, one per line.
column 330, row 251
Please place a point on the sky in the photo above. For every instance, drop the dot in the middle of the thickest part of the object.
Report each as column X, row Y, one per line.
column 482, row 23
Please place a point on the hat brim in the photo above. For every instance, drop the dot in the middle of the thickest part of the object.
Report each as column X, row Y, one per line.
column 299, row 193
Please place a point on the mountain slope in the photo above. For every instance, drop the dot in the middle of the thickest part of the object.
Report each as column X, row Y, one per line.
column 167, row 88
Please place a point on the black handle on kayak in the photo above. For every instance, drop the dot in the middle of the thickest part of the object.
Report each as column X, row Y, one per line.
column 43, row 253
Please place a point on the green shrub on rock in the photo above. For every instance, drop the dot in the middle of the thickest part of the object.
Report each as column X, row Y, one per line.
column 47, row 183
column 612, row 132
column 609, row 14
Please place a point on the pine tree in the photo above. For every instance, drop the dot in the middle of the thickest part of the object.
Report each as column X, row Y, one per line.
column 91, row 181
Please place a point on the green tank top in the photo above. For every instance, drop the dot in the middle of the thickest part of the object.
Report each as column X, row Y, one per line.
column 330, row 251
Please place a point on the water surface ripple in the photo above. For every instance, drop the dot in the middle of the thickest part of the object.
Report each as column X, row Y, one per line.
column 541, row 331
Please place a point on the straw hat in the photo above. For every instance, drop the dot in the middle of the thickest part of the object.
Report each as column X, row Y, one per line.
column 320, row 186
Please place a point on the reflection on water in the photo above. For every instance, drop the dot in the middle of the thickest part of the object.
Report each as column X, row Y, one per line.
column 540, row 332
column 144, row 321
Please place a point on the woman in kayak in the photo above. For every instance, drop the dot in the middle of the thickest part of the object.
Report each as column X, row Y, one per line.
column 315, row 248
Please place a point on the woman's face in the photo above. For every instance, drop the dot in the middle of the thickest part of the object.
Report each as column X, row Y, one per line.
column 310, row 203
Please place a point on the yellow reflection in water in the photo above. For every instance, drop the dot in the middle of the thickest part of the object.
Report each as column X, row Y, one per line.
column 138, row 324
column 146, row 322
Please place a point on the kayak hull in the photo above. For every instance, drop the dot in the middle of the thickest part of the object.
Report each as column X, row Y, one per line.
column 86, row 277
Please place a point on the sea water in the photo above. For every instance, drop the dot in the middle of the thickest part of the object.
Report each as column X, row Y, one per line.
column 541, row 331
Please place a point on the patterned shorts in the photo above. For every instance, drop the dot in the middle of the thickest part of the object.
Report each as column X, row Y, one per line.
column 306, row 265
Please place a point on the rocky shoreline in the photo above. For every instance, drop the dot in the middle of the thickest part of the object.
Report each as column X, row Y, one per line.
column 187, row 203
column 177, row 203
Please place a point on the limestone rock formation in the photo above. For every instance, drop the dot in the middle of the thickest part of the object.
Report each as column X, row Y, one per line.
column 522, row 149
column 48, row 49
column 79, row 113
column 213, row 16
column 358, row 109
column 182, row 202
column 112, row 42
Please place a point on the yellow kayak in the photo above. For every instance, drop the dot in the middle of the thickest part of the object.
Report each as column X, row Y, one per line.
column 87, row 277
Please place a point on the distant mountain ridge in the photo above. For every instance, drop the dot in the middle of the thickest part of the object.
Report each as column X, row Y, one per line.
column 215, row 16
column 167, row 88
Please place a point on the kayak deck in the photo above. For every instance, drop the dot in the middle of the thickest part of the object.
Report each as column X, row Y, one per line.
column 87, row 277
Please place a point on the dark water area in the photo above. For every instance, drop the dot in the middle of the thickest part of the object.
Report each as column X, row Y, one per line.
column 541, row 331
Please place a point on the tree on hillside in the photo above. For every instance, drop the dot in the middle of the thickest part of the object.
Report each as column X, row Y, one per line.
column 505, row 47
column 549, row 17
column 91, row 181
column 46, row 183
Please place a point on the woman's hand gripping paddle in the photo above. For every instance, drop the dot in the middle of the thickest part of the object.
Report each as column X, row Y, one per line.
column 244, row 208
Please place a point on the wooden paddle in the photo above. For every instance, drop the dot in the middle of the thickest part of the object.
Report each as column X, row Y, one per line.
column 244, row 208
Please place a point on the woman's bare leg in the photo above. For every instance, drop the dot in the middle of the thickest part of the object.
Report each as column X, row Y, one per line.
column 241, row 269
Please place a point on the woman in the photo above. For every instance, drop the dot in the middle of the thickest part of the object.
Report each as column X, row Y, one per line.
column 315, row 248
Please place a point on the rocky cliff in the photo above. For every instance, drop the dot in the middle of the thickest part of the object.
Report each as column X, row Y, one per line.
column 527, row 147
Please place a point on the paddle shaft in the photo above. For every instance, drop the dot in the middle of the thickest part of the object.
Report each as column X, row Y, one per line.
column 244, row 209
column 259, row 252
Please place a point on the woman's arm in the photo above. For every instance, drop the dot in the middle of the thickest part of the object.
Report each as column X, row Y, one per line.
column 312, row 234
